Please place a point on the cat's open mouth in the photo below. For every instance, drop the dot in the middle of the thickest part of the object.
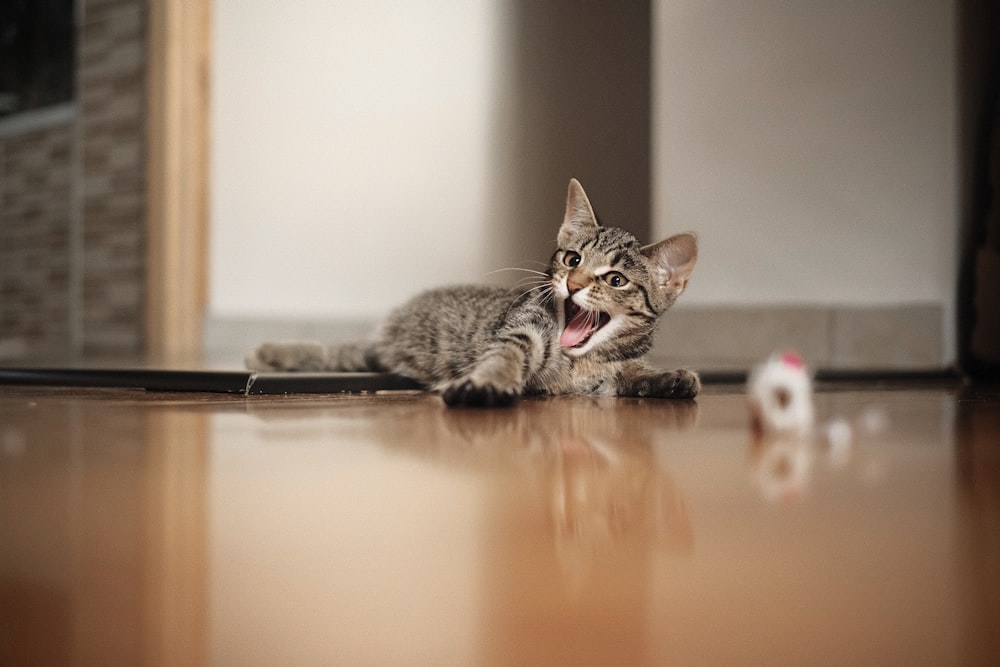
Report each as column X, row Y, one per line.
column 581, row 324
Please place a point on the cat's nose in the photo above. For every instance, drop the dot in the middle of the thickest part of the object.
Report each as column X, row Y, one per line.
column 572, row 287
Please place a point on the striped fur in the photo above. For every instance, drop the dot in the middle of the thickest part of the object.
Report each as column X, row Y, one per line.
column 583, row 328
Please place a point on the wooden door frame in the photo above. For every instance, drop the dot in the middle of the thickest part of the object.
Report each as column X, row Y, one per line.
column 177, row 172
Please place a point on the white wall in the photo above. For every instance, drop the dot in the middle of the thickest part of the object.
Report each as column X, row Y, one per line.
column 812, row 145
column 349, row 156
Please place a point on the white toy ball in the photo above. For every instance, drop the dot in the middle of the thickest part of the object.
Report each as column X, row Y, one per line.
column 780, row 395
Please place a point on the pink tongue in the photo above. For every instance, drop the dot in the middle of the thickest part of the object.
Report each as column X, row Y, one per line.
column 577, row 329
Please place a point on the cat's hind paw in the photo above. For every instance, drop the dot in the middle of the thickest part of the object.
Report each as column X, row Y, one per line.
column 468, row 394
column 301, row 357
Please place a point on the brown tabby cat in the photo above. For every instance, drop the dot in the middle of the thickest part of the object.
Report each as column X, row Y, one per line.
column 583, row 330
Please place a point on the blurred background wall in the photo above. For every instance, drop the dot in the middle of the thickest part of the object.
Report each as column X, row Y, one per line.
column 350, row 153
column 362, row 150
column 365, row 150
column 813, row 146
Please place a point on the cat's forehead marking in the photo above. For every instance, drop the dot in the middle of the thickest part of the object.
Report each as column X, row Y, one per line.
column 621, row 248
column 609, row 238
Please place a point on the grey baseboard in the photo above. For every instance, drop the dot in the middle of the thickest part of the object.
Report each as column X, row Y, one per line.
column 889, row 337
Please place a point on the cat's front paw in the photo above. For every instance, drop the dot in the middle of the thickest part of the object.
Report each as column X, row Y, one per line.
column 670, row 384
column 288, row 357
column 684, row 384
column 466, row 393
column 681, row 383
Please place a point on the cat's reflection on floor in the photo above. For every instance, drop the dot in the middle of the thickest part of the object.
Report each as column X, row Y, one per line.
column 591, row 469
column 610, row 498
column 590, row 472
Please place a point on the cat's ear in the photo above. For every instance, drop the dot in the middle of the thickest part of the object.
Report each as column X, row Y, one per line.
column 579, row 214
column 673, row 260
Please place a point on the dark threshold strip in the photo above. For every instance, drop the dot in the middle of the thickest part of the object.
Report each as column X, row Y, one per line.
column 251, row 382
column 227, row 382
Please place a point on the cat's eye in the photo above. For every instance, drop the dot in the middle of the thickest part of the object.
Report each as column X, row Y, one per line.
column 572, row 259
column 615, row 279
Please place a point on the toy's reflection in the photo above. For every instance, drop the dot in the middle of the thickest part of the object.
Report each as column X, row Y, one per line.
column 782, row 465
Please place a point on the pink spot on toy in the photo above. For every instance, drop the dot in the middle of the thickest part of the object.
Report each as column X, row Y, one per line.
column 790, row 358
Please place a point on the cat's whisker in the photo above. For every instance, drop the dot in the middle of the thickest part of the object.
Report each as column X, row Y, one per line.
column 517, row 268
column 544, row 287
column 529, row 290
column 524, row 282
column 541, row 277
column 532, row 280
column 538, row 279
column 547, row 296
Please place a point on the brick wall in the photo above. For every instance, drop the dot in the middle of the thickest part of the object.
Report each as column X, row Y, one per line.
column 35, row 195
column 111, row 72
column 72, row 204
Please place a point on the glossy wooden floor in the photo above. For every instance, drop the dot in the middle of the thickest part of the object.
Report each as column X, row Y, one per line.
column 186, row 529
